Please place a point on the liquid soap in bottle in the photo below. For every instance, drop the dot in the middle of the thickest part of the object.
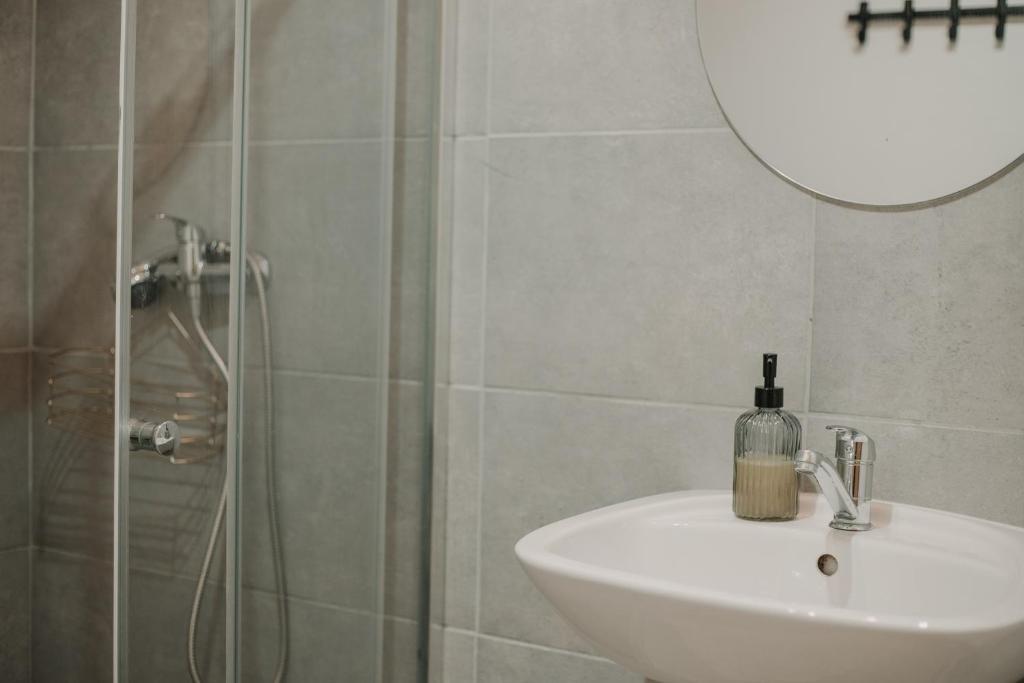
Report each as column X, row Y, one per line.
column 765, row 484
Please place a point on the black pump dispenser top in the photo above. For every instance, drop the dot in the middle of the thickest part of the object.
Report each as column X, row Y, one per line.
column 769, row 395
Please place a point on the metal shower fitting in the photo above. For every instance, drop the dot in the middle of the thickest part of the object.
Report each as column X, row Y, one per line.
column 193, row 261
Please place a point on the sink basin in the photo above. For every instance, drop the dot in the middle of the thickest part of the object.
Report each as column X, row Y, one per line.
column 678, row 589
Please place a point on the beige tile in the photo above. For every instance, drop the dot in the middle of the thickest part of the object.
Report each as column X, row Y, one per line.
column 400, row 658
column 13, row 249
column 76, row 89
column 597, row 65
column 15, row 615
column 184, row 61
column 15, row 72
column 972, row 472
column 14, row 451
column 918, row 314
column 472, row 54
column 74, row 247
column 327, row 469
column 159, row 609
column 72, row 621
column 317, row 69
column 549, row 457
column 506, row 662
column 315, row 212
column 463, row 509
column 325, row 644
column 468, row 270
column 459, row 657
column 651, row 266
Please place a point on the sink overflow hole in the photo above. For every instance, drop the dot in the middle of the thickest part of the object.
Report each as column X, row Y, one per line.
column 828, row 564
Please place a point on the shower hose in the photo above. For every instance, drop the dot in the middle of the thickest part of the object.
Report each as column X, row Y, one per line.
column 218, row 522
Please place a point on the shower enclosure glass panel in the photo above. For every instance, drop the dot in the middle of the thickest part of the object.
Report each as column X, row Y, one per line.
column 320, row 188
column 277, row 188
column 173, row 568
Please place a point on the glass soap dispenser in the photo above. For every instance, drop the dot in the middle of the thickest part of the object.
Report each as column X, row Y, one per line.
column 767, row 438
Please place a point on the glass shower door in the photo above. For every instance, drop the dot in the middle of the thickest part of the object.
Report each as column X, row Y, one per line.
column 175, row 264
column 314, row 460
column 272, row 340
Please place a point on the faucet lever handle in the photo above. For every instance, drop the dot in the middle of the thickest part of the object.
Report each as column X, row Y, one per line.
column 844, row 433
column 853, row 444
column 185, row 230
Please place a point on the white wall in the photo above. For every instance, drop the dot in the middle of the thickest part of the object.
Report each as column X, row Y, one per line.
column 620, row 261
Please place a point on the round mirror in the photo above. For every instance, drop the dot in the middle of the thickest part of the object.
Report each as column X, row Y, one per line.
column 883, row 123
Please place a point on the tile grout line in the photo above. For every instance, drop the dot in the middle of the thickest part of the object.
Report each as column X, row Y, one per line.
column 218, row 144
column 526, row 644
column 482, row 321
column 920, row 424
column 625, row 400
column 30, row 320
column 284, row 372
column 709, row 407
column 262, row 592
column 15, row 350
column 543, row 648
column 626, row 132
column 13, row 549
column 307, row 142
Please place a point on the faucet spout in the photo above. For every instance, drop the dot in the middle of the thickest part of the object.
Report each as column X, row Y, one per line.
column 848, row 515
column 819, row 467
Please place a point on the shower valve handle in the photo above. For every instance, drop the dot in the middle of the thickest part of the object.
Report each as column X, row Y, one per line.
column 191, row 246
column 158, row 437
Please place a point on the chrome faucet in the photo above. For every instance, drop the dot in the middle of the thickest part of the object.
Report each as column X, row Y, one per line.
column 847, row 485
column 193, row 261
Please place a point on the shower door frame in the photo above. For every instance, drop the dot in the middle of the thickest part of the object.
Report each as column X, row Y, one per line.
column 236, row 324
column 122, row 336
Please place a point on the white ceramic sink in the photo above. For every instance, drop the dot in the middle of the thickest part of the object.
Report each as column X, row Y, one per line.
column 676, row 588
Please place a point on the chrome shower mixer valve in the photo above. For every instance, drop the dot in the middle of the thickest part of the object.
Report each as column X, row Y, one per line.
column 195, row 260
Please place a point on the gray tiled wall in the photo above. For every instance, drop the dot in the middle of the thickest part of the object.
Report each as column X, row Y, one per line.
column 13, row 247
column 73, row 253
column 620, row 261
column 15, row 608
column 315, row 169
column 15, row 72
column 15, row 466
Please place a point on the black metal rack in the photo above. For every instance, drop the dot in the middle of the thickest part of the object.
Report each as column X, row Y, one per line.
column 908, row 15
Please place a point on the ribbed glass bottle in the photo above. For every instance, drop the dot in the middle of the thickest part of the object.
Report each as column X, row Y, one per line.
column 764, row 479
